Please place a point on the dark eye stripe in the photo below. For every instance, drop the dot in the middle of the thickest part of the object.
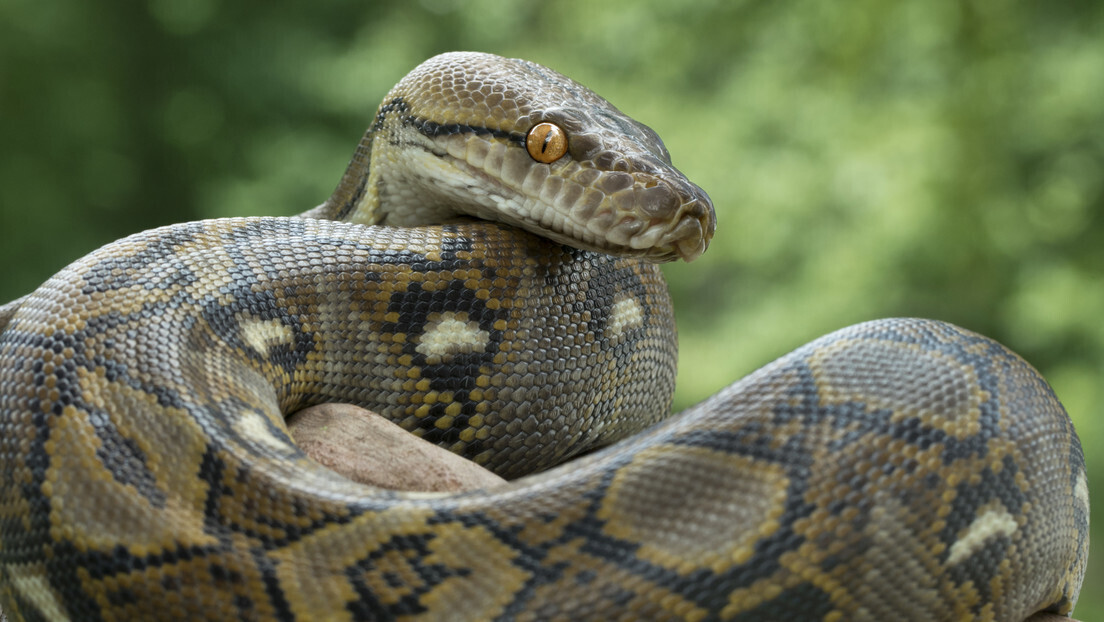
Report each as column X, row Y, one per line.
column 433, row 129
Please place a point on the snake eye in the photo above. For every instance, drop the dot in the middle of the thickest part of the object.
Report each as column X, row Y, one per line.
column 546, row 142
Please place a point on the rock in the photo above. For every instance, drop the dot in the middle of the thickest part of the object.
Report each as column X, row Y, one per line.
column 367, row 448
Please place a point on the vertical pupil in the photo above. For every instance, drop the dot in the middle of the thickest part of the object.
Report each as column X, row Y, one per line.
column 545, row 142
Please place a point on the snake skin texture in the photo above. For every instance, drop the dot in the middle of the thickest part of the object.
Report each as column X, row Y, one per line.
column 900, row 469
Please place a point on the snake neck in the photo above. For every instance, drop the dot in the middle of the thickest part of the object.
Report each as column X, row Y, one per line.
column 402, row 176
column 355, row 199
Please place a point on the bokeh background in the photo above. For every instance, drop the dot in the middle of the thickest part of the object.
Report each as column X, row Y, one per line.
column 937, row 158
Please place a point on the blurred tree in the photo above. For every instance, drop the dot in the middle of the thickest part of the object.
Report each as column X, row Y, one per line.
column 925, row 157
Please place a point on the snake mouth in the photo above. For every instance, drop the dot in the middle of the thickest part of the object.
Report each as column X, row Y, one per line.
column 656, row 223
column 652, row 212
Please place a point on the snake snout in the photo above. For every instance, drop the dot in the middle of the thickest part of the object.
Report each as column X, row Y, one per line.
column 694, row 230
column 676, row 220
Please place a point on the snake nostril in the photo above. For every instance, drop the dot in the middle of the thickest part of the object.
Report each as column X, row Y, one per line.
column 700, row 207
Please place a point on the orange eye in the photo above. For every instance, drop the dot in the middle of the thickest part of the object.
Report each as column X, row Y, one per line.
column 546, row 142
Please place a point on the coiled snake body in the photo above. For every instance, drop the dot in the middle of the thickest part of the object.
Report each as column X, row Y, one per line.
column 900, row 469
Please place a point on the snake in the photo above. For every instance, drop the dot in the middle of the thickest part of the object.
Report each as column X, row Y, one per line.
column 486, row 274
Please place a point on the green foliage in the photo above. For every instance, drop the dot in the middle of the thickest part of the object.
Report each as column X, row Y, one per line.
column 926, row 157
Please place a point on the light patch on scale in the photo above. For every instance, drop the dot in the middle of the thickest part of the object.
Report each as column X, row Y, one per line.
column 625, row 315
column 994, row 522
column 35, row 588
column 261, row 335
column 1081, row 491
column 448, row 334
column 252, row 426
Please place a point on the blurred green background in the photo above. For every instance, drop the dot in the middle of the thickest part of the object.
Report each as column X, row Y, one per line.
column 928, row 158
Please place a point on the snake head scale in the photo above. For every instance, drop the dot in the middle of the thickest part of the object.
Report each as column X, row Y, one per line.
column 470, row 134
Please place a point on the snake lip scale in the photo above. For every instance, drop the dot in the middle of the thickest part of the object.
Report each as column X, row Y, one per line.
column 900, row 469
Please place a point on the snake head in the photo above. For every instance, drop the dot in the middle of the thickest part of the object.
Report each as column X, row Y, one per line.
column 471, row 134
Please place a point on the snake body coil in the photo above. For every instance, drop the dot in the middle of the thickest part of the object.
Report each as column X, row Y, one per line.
column 900, row 469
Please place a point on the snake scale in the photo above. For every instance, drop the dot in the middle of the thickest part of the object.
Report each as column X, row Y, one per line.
column 896, row 470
